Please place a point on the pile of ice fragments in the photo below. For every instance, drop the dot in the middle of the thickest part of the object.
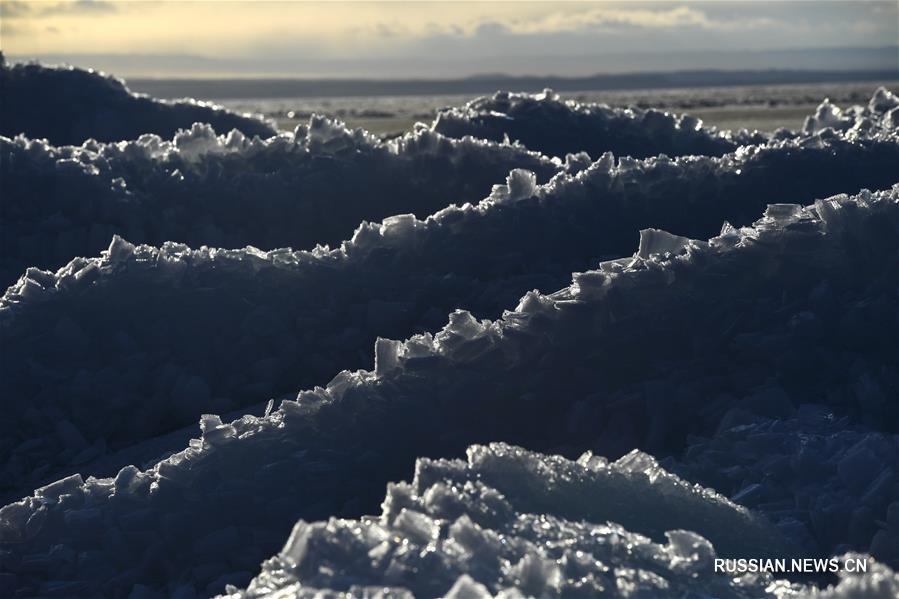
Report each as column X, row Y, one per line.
column 508, row 523
column 302, row 316
column 759, row 363
column 697, row 338
column 881, row 115
column 548, row 124
column 298, row 189
column 68, row 105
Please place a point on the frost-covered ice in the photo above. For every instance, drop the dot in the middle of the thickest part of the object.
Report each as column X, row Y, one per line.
column 557, row 127
column 880, row 114
column 177, row 325
column 546, row 123
column 508, row 523
column 655, row 349
column 760, row 363
column 525, row 524
column 68, row 105
column 312, row 186
column 487, row 517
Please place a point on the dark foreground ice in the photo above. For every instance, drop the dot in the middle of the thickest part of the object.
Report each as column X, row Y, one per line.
column 754, row 373
column 684, row 340
column 202, row 330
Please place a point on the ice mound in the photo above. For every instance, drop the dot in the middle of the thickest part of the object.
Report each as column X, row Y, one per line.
column 532, row 500
column 880, row 115
column 156, row 336
column 524, row 524
column 548, row 124
column 513, row 524
column 653, row 349
column 68, row 105
column 313, row 186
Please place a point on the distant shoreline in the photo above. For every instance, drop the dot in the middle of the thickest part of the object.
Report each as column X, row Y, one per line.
column 299, row 88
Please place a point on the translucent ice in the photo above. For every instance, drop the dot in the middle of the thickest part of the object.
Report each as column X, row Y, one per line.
column 301, row 316
column 656, row 353
column 313, row 186
column 546, row 123
column 532, row 542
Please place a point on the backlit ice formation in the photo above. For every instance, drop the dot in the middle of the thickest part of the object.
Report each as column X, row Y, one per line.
column 653, row 348
column 312, row 186
column 548, row 124
column 510, row 520
column 316, row 185
column 880, row 114
column 303, row 316
column 508, row 523
column 744, row 387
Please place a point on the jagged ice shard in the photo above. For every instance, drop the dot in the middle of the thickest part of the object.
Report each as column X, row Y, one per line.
column 301, row 189
column 546, row 123
column 509, row 523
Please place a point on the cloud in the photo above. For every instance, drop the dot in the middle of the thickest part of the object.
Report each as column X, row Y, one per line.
column 568, row 21
column 601, row 17
column 610, row 18
column 14, row 9
column 471, row 36
column 17, row 9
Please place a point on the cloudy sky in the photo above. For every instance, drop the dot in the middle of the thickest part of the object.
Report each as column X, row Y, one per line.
column 446, row 39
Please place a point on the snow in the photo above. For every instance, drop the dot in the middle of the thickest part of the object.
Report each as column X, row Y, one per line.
column 68, row 105
column 479, row 380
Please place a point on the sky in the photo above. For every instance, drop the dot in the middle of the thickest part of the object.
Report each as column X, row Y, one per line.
column 446, row 39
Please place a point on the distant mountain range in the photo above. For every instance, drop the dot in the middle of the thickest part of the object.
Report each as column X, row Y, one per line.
column 299, row 88
column 544, row 65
